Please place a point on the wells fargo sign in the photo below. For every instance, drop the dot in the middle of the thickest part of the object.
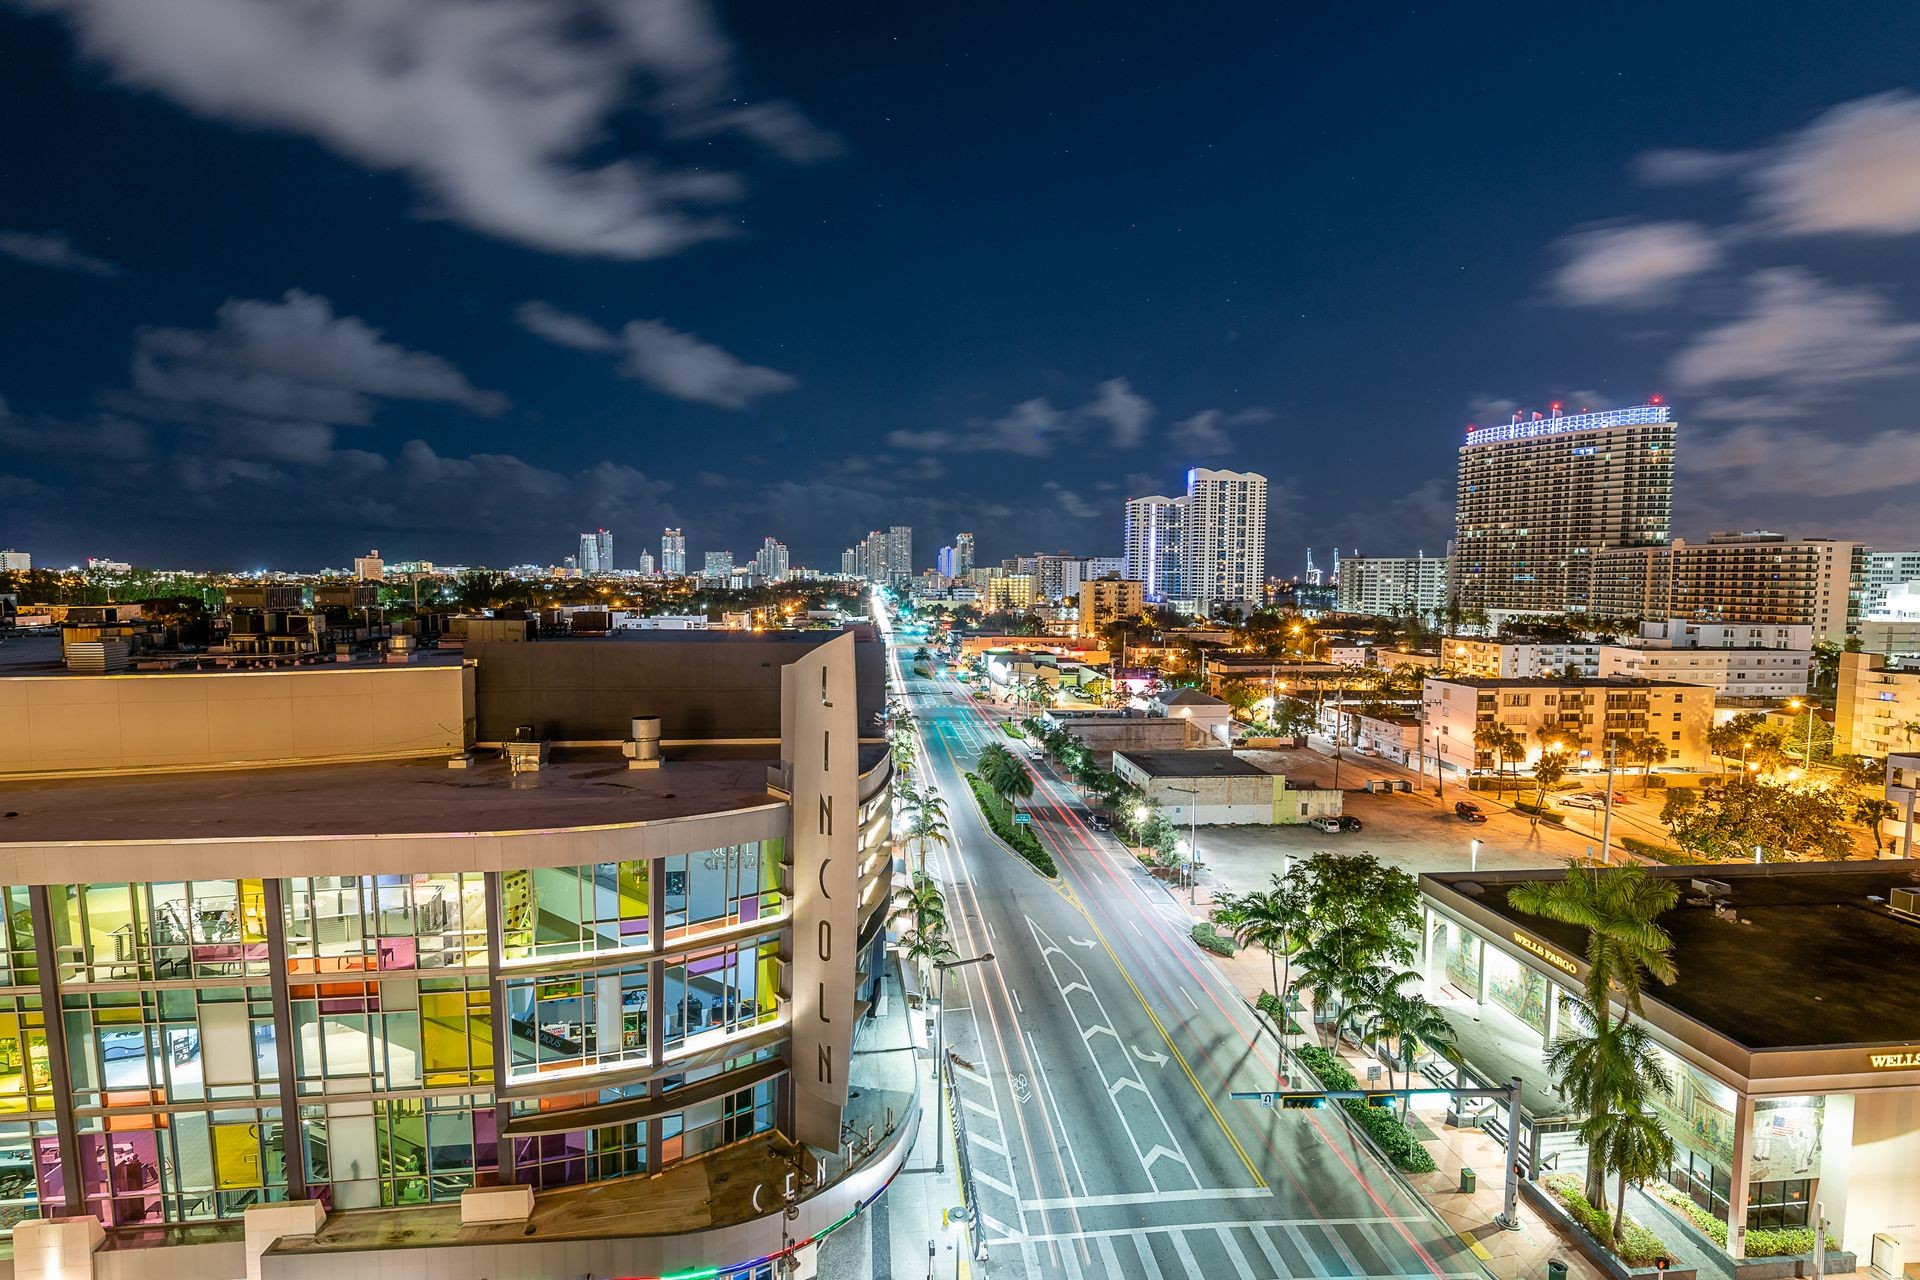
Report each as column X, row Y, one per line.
column 1902, row 1059
column 1534, row 947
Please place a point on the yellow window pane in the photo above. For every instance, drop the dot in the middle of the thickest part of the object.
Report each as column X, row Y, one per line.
column 236, row 1156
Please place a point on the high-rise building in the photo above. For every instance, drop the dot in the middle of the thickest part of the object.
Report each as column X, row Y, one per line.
column 944, row 561
column 1153, row 532
column 1059, row 576
column 596, row 553
column 1737, row 577
column 1387, row 585
column 673, row 554
column 962, row 554
column 12, row 561
column 1886, row 570
column 899, row 567
column 771, row 560
column 367, row 568
column 1223, row 547
column 1537, row 499
column 1103, row 567
column 849, row 563
column 646, row 564
column 719, row 564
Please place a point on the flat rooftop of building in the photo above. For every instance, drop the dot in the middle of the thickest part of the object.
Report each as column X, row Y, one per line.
column 577, row 788
column 1813, row 962
column 1193, row 764
column 1564, row 682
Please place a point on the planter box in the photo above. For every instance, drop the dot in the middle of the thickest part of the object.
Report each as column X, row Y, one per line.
column 1839, row 1262
column 1596, row 1253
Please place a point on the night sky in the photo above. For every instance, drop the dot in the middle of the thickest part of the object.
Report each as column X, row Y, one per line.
column 284, row 279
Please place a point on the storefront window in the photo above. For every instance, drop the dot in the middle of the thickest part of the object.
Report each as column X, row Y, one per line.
column 197, row 930
column 716, row 1123
column 341, row 924
column 577, row 1019
column 585, row 1155
column 397, row 1033
column 728, row 988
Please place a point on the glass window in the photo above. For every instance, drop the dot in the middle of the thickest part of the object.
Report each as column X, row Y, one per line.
column 563, row 911
column 577, row 1019
column 739, row 884
column 387, row 923
column 728, row 988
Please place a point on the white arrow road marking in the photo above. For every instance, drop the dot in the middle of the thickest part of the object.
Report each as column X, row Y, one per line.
column 1157, row 1059
column 1174, row 1156
column 1124, row 1082
column 1071, row 987
column 1091, row 1032
column 1079, row 942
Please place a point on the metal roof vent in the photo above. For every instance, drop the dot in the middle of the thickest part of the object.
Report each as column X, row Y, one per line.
column 642, row 747
column 526, row 751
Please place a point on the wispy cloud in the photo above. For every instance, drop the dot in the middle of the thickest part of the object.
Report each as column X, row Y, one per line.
column 1798, row 336
column 1772, row 459
column 675, row 363
column 55, row 251
column 294, row 360
column 1636, row 264
column 500, row 112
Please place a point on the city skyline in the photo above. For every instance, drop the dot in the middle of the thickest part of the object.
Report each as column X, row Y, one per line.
column 452, row 369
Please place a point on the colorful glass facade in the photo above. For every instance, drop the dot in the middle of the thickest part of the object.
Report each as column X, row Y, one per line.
column 221, row 1043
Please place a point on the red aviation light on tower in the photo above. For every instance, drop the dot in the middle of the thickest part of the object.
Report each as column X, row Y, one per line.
column 1655, row 400
column 1555, row 406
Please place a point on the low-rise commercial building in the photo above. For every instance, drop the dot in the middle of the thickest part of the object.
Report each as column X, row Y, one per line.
column 1795, row 1063
column 1580, row 716
column 1220, row 788
column 1205, row 712
column 1103, row 733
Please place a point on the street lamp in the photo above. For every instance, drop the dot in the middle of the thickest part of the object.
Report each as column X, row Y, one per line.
column 1193, row 842
column 940, row 1058
column 1797, row 704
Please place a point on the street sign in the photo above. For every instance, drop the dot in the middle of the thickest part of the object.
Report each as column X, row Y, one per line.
column 1023, row 819
column 1266, row 1100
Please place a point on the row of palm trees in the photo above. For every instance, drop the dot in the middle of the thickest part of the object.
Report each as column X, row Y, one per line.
column 1003, row 772
column 920, row 908
column 1336, row 929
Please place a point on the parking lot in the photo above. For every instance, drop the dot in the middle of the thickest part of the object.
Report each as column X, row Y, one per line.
column 1413, row 830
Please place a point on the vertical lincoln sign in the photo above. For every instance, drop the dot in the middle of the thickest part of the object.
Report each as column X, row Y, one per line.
column 820, row 739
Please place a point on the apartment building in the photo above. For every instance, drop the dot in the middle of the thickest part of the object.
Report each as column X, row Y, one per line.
column 1738, row 659
column 1738, row 577
column 1877, row 710
column 1388, row 585
column 1107, row 600
column 1580, row 715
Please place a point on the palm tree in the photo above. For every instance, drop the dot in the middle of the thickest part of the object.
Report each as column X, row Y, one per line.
column 1319, row 972
column 1500, row 742
column 1003, row 773
column 1634, row 1146
column 928, row 827
column 1619, row 907
column 923, row 949
column 922, row 899
column 1275, row 921
column 1412, row 1022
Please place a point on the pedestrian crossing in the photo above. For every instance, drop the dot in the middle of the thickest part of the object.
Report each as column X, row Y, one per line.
column 1260, row 1249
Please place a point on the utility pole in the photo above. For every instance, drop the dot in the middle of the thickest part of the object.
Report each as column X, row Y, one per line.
column 1606, row 820
column 1509, row 1218
column 940, row 1059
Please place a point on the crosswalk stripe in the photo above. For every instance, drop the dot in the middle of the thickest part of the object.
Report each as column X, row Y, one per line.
column 1280, row 1270
column 1233, row 1252
column 1149, row 1265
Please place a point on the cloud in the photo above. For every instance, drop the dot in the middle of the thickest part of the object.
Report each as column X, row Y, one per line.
column 1204, row 434
column 567, row 330
column 1854, row 170
column 1073, row 504
column 1681, row 167
column 1124, row 410
column 55, row 251
column 669, row 361
column 1028, row 429
column 930, row 441
column 104, row 439
column 501, row 112
column 294, row 360
column 1764, row 458
column 1800, row 335
column 1632, row 265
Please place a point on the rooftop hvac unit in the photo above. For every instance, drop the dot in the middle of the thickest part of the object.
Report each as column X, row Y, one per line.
column 526, row 753
column 1904, row 901
column 97, row 657
column 642, row 747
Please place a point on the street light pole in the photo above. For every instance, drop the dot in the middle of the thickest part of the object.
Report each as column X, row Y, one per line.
column 1606, row 821
column 940, row 1059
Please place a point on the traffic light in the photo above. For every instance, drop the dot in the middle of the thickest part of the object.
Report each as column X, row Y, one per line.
column 1301, row 1101
column 1382, row 1100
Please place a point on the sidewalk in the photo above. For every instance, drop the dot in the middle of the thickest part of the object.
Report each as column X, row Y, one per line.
column 1511, row 1255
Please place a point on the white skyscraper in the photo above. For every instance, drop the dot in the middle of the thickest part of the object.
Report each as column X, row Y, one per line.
column 962, row 555
column 673, row 554
column 899, row 553
column 1223, row 547
column 646, row 564
column 1154, row 528
column 771, row 560
column 596, row 553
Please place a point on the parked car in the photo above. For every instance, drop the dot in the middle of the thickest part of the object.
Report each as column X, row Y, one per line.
column 1581, row 800
column 1468, row 811
column 1349, row 823
column 1100, row 821
column 1332, row 826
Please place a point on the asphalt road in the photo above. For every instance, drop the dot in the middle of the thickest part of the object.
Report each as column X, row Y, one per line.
column 1103, row 1049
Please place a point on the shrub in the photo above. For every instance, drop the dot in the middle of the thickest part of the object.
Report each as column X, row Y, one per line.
column 1012, row 730
column 1331, row 1072
column 1212, row 940
column 1547, row 812
column 1020, row 838
column 1658, row 852
column 1638, row 1246
column 1781, row 1242
column 1381, row 1124
column 1270, row 1004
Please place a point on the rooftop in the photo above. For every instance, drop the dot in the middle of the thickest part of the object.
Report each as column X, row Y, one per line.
column 1563, row 682
column 1192, row 764
column 577, row 788
column 1188, row 698
column 1813, row 961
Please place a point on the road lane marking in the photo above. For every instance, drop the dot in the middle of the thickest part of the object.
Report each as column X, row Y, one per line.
column 1108, row 1256
column 982, row 1140
column 1123, row 1198
column 1234, row 1254
column 1187, row 1260
column 1272, row 1254
column 1124, row 1082
column 1157, row 1059
column 1190, row 1000
column 1299, row 1239
column 1046, row 1082
column 1150, row 1265
column 1016, row 1001
column 1136, row 928
column 1002, row 1233
column 971, row 1105
column 987, row 1179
